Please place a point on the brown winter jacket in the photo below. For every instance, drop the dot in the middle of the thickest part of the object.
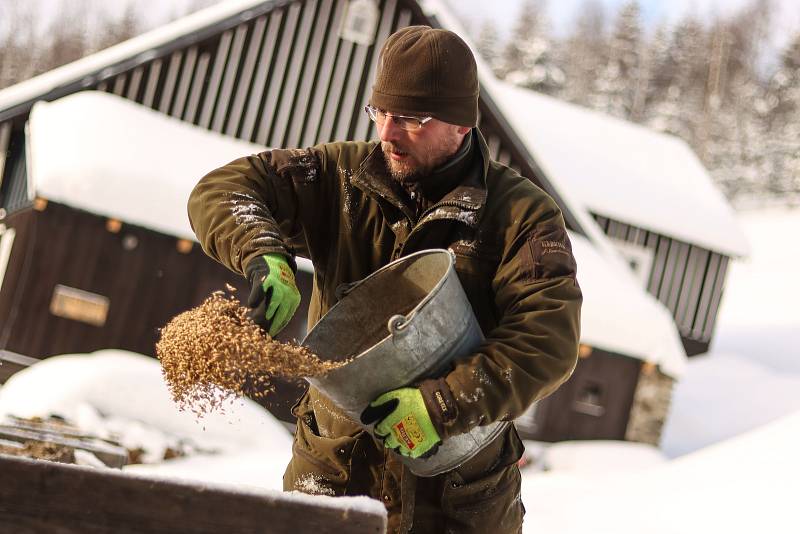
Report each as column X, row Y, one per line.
column 336, row 205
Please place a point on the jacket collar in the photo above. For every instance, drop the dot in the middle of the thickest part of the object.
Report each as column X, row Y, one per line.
column 464, row 203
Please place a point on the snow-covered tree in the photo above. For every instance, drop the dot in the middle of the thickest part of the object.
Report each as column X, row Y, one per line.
column 582, row 51
column 488, row 45
column 621, row 84
column 18, row 42
column 783, row 121
column 67, row 35
column 116, row 30
column 528, row 58
column 680, row 78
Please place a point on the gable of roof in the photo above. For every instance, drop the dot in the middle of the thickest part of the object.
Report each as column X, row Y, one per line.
column 624, row 171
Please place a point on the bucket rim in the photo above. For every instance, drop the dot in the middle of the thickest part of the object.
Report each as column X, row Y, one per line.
column 410, row 315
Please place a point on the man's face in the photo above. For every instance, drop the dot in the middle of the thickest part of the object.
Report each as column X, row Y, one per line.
column 414, row 154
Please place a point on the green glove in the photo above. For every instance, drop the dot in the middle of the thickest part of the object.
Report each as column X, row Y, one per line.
column 274, row 296
column 402, row 421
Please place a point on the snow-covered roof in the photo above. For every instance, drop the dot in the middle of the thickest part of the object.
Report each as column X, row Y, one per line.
column 623, row 171
column 620, row 316
column 140, row 47
column 110, row 156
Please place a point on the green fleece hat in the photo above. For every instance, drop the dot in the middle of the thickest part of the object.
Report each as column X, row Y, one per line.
column 427, row 72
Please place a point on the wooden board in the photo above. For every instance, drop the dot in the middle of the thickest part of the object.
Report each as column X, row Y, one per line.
column 38, row 496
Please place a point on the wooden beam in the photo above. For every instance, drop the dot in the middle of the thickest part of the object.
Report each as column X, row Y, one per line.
column 40, row 496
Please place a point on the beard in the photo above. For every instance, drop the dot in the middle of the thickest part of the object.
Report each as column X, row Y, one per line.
column 419, row 163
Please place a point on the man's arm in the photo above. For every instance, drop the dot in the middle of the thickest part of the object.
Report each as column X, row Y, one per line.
column 254, row 206
column 534, row 347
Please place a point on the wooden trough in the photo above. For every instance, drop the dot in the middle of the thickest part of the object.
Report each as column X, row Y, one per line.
column 39, row 496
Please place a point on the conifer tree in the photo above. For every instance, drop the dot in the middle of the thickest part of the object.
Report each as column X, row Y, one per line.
column 528, row 59
column 583, row 50
column 620, row 87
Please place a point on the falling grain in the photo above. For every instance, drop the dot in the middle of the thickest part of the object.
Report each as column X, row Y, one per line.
column 213, row 353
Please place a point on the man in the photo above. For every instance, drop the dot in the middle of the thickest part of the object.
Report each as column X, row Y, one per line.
column 353, row 207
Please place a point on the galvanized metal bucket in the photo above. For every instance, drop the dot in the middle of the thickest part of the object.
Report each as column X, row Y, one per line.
column 403, row 323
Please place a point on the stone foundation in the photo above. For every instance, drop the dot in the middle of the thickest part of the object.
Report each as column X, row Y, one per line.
column 650, row 406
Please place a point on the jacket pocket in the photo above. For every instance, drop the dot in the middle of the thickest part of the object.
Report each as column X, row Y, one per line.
column 320, row 465
column 483, row 495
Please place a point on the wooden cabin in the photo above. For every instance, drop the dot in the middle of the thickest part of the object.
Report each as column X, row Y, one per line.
column 648, row 192
column 279, row 74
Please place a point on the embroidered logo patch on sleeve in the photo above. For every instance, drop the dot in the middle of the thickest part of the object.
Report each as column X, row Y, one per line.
column 547, row 253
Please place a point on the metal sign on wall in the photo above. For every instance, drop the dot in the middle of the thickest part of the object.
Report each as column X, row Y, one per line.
column 79, row 305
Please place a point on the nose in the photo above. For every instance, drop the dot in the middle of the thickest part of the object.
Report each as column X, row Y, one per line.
column 389, row 131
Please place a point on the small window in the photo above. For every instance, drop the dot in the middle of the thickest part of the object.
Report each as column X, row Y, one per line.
column 590, row 400
column 360, row 22
column 6, row 240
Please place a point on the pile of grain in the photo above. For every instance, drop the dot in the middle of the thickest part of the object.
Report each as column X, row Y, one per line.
column 40, row 450
column 214, row 353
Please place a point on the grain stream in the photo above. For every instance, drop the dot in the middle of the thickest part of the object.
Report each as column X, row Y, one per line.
column 215, row 353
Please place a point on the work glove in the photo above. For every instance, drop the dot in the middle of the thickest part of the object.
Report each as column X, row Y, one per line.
column 403, row 423
column 274, row 296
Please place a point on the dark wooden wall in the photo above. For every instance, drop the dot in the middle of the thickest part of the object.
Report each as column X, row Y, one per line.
column 147, row 285
column 595, row 403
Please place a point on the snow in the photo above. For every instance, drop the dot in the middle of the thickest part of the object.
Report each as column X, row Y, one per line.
column 140, row 168
column 139, row 49
column 624, row 171
column 598, row 458
column 107, row 155
column 752, row 374
column 744, row 396
column 746, row 484
column 114, row 392
column 118, row 392
column 637, row 325
column 768, row 280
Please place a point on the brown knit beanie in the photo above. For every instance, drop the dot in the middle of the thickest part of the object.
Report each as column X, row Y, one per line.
column 427, row 72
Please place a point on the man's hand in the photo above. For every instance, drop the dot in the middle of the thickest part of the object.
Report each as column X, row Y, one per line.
column 274, row 296
column 403, row 422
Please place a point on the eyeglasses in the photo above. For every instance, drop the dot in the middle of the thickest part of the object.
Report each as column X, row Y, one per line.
column 404, row 122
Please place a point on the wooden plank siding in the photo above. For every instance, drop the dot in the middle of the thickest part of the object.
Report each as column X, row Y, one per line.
column 139, row 270
column 41, row 496
column 686, row 278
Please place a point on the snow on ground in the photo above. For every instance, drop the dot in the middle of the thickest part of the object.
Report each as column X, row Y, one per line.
column 122, row 393
column 746, row 484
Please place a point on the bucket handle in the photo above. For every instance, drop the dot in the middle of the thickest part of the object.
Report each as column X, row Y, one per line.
column 397, row 324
